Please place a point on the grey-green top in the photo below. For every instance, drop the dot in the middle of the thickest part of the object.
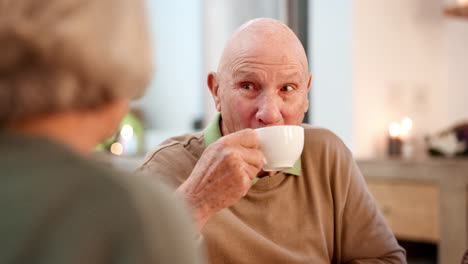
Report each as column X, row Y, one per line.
column 59, row 208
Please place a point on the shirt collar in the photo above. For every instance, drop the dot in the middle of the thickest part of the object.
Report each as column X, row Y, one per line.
column 212, row 133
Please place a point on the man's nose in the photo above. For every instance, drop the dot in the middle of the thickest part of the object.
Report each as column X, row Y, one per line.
column 269, row 110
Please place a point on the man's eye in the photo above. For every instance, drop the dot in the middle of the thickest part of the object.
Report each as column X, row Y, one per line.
column 287, row 88
column 247, row 86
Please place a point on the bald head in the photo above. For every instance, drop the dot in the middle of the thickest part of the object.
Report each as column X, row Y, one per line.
column 269, row 39
column 262, row 79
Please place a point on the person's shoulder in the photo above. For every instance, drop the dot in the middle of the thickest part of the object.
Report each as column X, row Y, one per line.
column 321, row 143
column 173, row 160
column 103, row 203
column 65, row 193
column 184, row 140
column 190, row 143
column 98, row 178
column 322, row 137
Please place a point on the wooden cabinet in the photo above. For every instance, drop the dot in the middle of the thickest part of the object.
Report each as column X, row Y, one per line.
column 411, row 209
column 423, row 200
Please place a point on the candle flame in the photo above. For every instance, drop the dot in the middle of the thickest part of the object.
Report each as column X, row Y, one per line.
column 406, row 125
column 394, row 129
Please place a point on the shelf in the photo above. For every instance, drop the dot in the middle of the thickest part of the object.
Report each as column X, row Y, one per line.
column 423, row 200
column 459, row 11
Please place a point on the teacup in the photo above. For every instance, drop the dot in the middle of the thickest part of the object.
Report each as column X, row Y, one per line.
column 281, row 146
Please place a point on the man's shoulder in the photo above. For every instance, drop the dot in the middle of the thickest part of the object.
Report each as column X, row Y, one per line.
column 321, row 136
column 184, row 140
column 186, row 144
column 321, row 142
column 173, row 160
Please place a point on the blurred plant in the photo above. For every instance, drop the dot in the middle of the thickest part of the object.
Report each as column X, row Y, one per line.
column 449, row 143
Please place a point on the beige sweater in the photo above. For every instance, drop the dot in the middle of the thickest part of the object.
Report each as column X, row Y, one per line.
column 325, row 215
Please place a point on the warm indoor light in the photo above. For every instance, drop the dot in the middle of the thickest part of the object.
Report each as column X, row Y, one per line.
column 116, row 148
column 463, row 2
column 126, row 132
column 406, row 125
column 394, row 129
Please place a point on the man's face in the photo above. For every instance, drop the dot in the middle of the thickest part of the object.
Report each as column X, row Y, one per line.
column 261, row 88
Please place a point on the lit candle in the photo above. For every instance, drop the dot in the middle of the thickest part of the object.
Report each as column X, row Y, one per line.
column 394, row 130
column 405, row 127
column 394, row 140
column 407, row 147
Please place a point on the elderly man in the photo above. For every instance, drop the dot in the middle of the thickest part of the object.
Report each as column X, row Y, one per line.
column 317, row 212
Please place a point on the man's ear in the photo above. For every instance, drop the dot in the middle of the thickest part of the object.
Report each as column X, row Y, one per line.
column 309, row 83
column 213, row 85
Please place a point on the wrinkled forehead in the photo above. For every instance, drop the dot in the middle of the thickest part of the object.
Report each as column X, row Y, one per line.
column 259, row 59
column 264, row 48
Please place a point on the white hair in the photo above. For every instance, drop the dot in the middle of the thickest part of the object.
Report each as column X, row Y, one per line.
column 59, row 55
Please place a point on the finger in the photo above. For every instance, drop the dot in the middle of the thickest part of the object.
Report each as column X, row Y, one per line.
column 246, row 138
column 251, row 171
column 252, row 157
column 247, row 179
column 248, row 184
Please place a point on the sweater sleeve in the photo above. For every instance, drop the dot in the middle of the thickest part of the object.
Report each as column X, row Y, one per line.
column 363, row 234
column 170, row 163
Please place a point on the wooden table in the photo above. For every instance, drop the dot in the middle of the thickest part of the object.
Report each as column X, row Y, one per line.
column 423, row 200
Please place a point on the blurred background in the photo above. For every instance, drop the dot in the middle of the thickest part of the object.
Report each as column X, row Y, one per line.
column 389, row 77
column 373, row 62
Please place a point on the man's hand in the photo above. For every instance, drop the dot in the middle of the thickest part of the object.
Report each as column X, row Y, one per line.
column 223, row 174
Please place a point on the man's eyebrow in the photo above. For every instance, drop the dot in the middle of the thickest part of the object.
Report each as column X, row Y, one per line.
column 292, row 75
column 246, row 74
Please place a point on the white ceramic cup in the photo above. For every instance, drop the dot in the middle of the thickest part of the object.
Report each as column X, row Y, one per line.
column 281, row 146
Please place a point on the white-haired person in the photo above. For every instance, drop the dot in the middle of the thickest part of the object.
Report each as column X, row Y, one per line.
column 68, row 69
